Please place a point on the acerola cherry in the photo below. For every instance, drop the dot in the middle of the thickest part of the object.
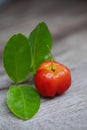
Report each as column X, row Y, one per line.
column 52, row 78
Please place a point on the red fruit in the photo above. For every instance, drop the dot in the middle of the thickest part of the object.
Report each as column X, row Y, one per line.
column 52, row 78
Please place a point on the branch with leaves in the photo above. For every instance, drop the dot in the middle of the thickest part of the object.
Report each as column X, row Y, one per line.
column 22, row 55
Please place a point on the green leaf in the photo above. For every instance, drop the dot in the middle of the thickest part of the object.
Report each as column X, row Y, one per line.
column 40, row 41
column 23, row 101
column 17, row 57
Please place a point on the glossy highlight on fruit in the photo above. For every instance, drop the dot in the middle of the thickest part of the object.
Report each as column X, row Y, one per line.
column 52, row 78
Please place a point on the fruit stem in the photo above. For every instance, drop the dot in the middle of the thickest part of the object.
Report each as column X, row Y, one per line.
column 52, row 67
column 52, row 59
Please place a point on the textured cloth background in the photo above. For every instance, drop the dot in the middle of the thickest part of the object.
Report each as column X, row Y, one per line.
column 67, row 21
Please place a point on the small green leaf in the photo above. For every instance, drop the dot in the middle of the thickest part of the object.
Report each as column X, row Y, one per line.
column 23, row 101
column 17, row 57
column 40, row 41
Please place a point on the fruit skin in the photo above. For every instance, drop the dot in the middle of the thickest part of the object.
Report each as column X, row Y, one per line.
column 52, row 78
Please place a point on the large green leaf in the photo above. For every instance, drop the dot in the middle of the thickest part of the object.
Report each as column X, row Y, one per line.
column 40, row 41
column 23, row 101
column 17, row 57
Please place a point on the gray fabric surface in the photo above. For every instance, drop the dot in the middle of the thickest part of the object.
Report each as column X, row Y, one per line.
column 68, row 111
